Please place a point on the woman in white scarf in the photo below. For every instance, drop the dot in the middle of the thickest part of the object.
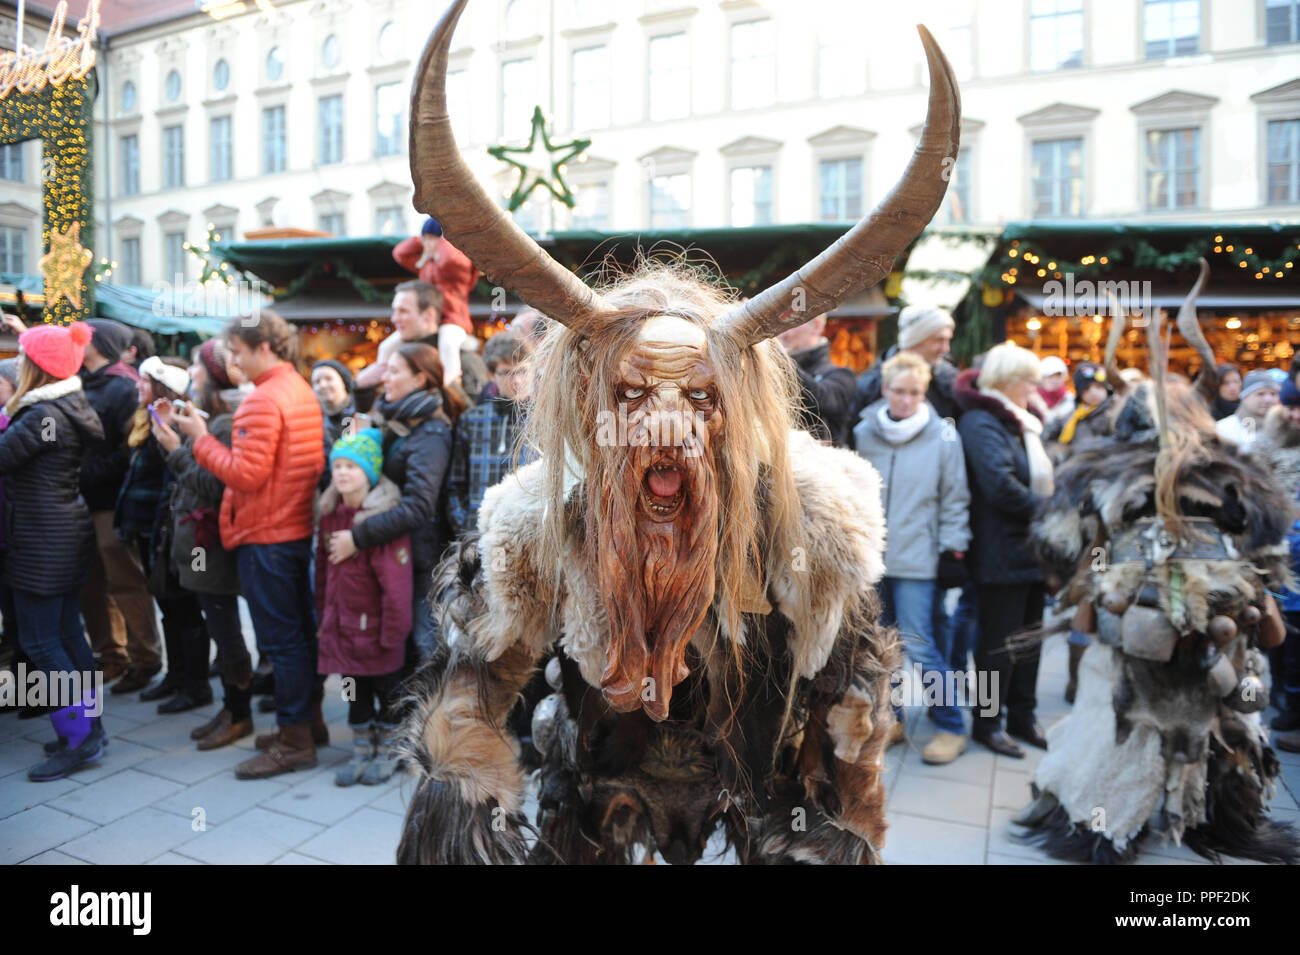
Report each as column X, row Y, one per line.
column 1010, row 475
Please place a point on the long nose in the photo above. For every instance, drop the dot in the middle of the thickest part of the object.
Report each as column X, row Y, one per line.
column 666, row 418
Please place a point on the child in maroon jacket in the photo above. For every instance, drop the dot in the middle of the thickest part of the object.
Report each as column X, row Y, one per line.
column 364, row 607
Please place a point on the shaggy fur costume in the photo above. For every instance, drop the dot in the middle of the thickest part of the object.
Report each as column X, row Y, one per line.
column 1155, row 747
column 789, row 761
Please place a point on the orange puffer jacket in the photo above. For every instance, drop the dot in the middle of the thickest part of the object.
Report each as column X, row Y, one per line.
column 272, row 466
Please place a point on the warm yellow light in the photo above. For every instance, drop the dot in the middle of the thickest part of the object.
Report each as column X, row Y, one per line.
column 1104, row 260
column 1227, row 248
column 1232, row 323
column 62, row 58
column 1051, row 266
column 1218, row 248
column 1241, row 265
column 1218, row 238
column 1250, row 251
column 1013, row 253
column 1041, row 273
column 1033, row 324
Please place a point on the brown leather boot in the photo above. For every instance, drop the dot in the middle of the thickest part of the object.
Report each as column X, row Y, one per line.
column 1072, row 685
column 292, row 751
column 223, row 716
column 320, row 732
column 226, row 731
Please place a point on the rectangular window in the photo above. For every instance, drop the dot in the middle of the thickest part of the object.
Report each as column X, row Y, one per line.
column 389, row 220
column 173, row 157
column 670, row 201
column 11, row 163
column 130, row 165
column 841, row 67
column 1055, row 35
column 669, row 77
column 591, row 208
column 956, row 202
column 221, row 158
column 129, row 262
column 518, row 97
column 840, row 189
column 13, row 250
column 333, row 223
column 274, row 143
column 459, row 105
column 1284, row 161
column 1057, row 177
column 1173, row 168
column 331, row 129
column 1171, row 28
column 1282, row 21
column 174, row 255
column 753, row 64
column 390, row 124
column 590, row 85
column 751, row 195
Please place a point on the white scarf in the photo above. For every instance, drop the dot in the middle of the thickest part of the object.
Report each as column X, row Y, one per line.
column 50, row 392
column 1040, row 465
column 901, row 432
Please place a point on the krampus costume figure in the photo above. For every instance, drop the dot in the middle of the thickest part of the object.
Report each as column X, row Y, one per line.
column 1170, row 540
column 701, row 574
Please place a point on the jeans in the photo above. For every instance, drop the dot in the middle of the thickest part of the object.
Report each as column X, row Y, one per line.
column 49, row 631
column 115, row 602
column 910, row 605
column 277, row 586
column 963, row 628
column 424, row 629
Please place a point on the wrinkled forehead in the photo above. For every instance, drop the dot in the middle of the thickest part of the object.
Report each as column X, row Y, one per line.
column 668, row 347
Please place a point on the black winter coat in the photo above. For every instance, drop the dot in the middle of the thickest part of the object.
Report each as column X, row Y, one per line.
column 417, row 454
column 49, row 537
column 939, row 394
column 1001, row 503
column 828, row 393
column 113, row 397
column 199, row 490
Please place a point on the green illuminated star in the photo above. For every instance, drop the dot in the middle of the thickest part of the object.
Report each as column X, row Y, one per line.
column 542, row 163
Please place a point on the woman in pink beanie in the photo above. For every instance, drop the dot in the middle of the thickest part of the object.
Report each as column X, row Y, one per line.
column 48, row 533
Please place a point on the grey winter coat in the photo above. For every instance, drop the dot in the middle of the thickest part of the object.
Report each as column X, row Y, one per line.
column 927, row 499
column 198, row 489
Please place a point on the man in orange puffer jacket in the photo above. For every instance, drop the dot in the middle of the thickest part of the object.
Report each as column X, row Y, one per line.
column 270, row 472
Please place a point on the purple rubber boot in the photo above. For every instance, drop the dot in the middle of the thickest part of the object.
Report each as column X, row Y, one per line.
column 84, row 742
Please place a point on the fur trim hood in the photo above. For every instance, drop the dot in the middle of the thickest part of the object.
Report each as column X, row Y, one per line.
column 55, row 389
column 969, row 398
column 384, row 496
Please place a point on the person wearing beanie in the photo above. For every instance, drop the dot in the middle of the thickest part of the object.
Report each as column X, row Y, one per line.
column 214, row 581
column 10, row 653
column 435, row 260
column 1278, row 444
column 333, row 384
column 143, row 519
column 364, row 606
column 49, row 536
column 1089, row 423
column 115, row 603
column 926, row 332
column 1259, row 392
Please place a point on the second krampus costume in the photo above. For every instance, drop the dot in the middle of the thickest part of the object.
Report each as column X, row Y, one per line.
column 1171, row 540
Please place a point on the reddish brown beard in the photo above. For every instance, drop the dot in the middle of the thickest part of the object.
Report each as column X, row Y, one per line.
column 656, row 578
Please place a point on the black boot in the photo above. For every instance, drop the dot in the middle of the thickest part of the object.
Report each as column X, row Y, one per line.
column 195, row 691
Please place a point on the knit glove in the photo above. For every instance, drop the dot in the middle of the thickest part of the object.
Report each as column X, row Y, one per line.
column 952, row 571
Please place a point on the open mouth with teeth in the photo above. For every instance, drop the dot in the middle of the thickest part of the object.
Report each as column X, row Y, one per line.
column 663, row 490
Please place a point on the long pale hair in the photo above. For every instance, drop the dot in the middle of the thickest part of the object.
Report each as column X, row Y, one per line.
column 30, row 377
column 758, row 508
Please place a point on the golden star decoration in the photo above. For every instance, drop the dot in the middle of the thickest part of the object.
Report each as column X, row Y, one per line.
column 64, row 264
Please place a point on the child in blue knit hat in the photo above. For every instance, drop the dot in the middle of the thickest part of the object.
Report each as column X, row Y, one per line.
column 363, row 604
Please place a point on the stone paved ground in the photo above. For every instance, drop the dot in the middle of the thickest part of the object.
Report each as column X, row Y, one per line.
column 137, row 804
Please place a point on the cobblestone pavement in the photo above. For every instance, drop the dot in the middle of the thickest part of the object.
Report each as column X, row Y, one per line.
column 154, row 799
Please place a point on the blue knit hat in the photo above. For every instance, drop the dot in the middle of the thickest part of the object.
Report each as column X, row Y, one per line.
column 365, row 449
column 431, row 227
column 1290, row 394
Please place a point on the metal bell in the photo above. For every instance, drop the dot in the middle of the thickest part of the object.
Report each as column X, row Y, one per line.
column 1222, row 676
column 1147, row 634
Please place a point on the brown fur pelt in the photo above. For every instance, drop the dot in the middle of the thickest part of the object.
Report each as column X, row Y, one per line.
column 784, row 753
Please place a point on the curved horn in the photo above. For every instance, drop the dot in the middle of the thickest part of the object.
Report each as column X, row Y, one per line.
column 446, row 189
column 1118, row 322
column 1189, row 326
column 864, row 255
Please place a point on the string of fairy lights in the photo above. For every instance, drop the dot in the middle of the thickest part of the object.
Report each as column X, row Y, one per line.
column 1022, row 260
